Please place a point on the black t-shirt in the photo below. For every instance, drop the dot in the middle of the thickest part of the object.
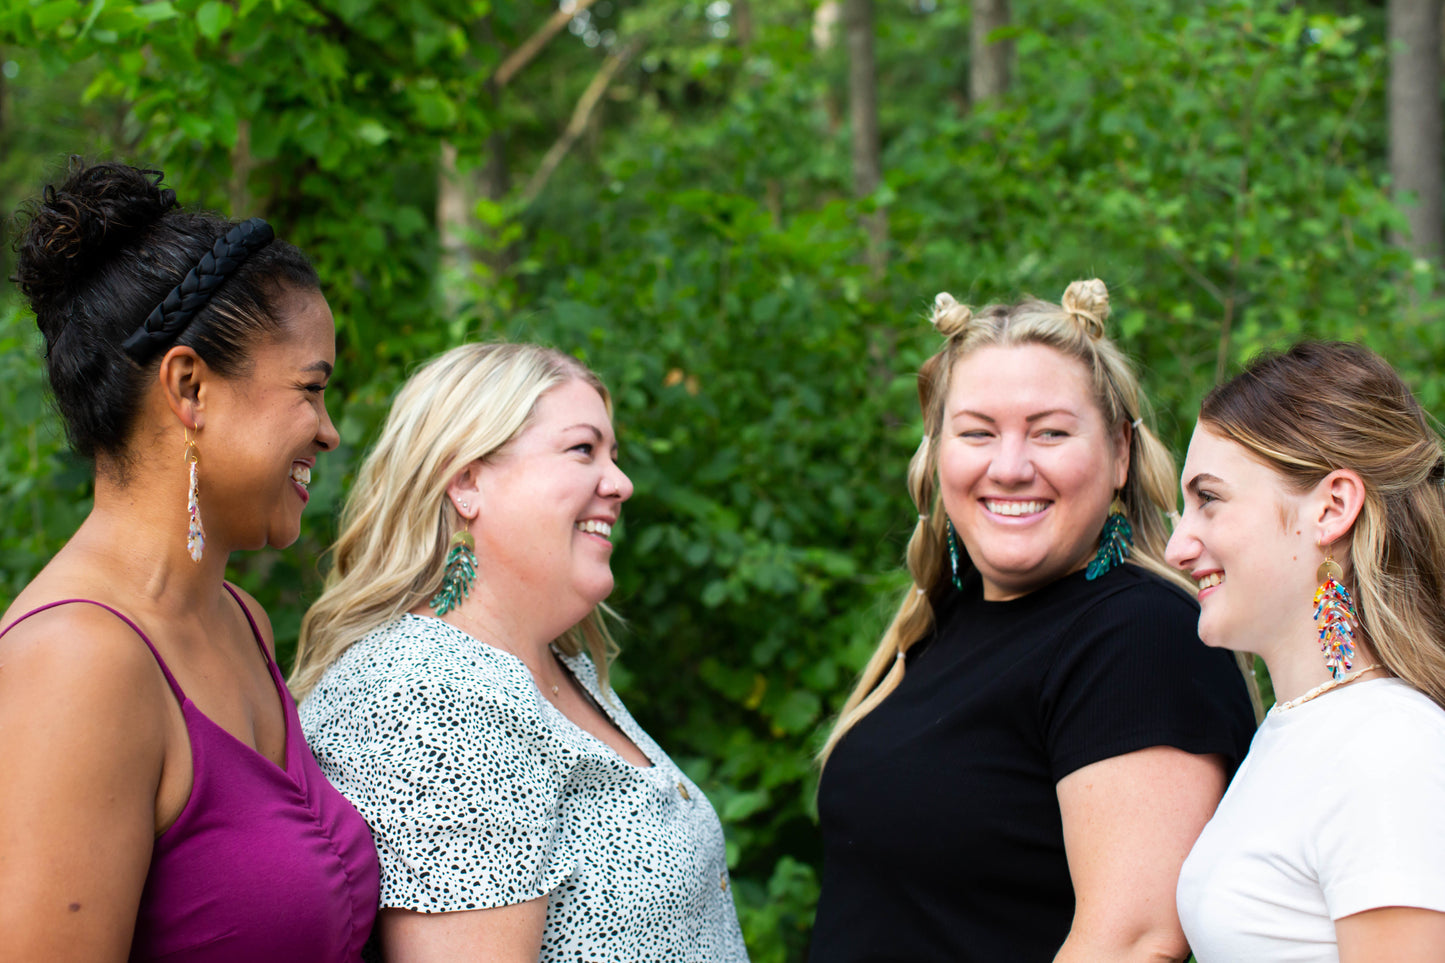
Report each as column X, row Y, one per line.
column 942, row 838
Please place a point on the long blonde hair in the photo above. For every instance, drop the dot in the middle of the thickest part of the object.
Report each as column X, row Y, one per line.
column 1074, row 328
column 395, row 527
column 1323, row 406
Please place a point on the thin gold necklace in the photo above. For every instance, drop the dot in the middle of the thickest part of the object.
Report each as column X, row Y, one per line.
column 1321, row 689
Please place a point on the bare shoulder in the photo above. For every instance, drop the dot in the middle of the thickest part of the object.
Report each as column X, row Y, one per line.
column 83, row 733
column 80, row 661
column 263, row 621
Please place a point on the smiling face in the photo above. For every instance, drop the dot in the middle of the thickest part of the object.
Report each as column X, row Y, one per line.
column 1027, row 466
column 1243, row 537
column 546, row 506
column 264, row 429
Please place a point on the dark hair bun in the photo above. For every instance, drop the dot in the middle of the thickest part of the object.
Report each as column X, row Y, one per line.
column 79, row 225
column 97, row 255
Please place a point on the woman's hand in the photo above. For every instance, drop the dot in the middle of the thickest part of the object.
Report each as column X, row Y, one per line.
column 506, row 934
column 1129, row 822
column 1391, row 934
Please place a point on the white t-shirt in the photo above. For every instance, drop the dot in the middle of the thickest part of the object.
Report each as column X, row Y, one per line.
column 480, row 793
column 1338, row 808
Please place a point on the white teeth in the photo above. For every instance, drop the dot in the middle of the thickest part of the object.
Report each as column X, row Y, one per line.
column 301, row 475
column 1211, row 580
column 1015, row 508
column 596, row 527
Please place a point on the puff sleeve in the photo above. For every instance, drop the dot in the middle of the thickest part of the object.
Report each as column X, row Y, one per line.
column 439, row 743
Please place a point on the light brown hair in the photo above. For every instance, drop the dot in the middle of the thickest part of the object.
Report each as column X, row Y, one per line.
column 1324, row 406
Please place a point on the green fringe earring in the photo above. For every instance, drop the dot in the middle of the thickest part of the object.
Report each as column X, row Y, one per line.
column 1115, row 542
column 461, row 572
column 953, row 555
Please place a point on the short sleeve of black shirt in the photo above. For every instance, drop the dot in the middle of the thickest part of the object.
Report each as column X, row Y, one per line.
column 941, row 828
column 1129, row 672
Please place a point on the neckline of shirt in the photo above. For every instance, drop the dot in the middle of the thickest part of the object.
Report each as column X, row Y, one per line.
column 515, row 665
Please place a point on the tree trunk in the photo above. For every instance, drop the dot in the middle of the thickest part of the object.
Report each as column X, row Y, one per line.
column 990, row 64
column 4, row 107
column 453, row 226
column 743, row 21
column 1415, row 126
column 241, row 165
column 863, row 113
column 825, row 24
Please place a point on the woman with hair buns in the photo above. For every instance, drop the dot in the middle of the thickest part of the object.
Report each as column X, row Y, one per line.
column 1040, row 735
column 158, row 800
column 454, row 682
column 1314, row 526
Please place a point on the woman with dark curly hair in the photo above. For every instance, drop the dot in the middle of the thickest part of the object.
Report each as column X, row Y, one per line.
column 159, row 800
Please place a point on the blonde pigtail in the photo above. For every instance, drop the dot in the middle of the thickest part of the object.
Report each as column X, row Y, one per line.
column 1075, row 328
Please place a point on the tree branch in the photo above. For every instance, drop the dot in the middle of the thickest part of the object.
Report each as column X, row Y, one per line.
column 523, row 55
column 581, row 116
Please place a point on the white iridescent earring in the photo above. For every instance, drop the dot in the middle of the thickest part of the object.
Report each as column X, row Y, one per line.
column 195, row 534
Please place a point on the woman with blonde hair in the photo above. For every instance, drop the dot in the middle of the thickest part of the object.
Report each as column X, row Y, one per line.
column 1040, row 735
column 454, row 675
column 1314, row 526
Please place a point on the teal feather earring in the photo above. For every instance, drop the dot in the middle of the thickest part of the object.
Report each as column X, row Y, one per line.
column 1115, row 542
column 953, row 555
column 461, row 572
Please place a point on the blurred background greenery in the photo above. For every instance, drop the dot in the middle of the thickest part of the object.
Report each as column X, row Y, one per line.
column 738, row 213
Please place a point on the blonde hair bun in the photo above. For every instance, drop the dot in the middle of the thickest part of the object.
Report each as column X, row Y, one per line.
column 1088, row 303
column 949, row 317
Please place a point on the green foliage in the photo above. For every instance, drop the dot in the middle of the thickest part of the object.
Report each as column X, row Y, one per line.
column 1221, row 169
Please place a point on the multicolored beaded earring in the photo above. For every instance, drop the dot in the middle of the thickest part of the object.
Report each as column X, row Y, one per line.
column 953, row 555
column 1336, row 617
column 1115, row 542
column 461, row 572
column 195, row 533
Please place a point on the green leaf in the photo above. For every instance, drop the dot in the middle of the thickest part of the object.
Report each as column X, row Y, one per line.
column 212, row 18
column 46, row 17
column 156, row 12
column 372, row 132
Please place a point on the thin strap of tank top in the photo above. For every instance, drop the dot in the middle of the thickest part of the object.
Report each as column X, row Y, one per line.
column 170, row 679
column 255, row 631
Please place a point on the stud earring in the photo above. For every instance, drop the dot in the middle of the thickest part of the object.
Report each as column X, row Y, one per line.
column 460, row 573
column 195, row 533
column 953, row 554
column 1335, row 615
column 1115, row 542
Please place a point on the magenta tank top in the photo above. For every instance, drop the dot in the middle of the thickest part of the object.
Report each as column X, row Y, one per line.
column 263, row 865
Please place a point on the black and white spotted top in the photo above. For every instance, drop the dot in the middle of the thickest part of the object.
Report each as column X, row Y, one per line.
column 480, row 793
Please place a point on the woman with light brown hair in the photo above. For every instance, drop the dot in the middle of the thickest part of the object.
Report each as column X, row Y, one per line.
column 1314, row 526
column 1040, row 735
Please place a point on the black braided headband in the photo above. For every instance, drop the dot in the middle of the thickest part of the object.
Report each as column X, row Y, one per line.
column 173, row 314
